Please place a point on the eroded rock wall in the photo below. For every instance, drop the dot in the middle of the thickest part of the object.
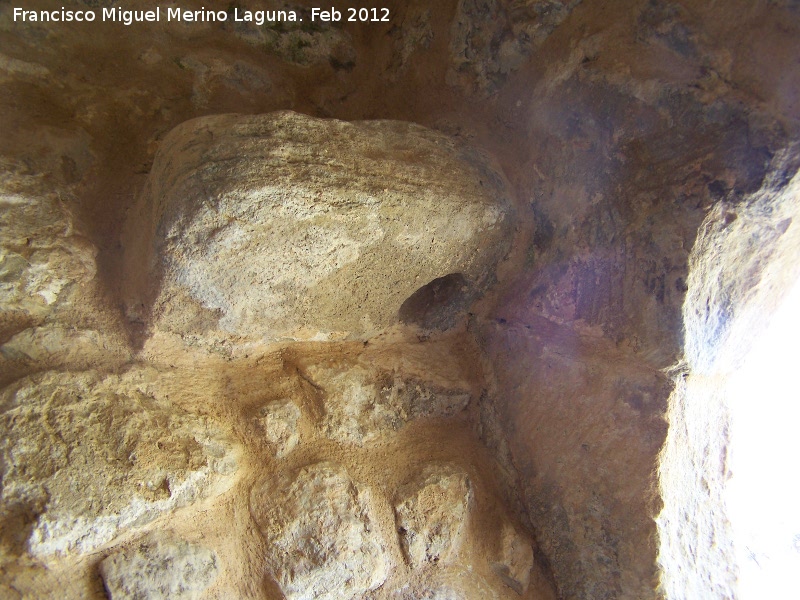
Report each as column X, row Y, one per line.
column 615, row 131
column 742, row 267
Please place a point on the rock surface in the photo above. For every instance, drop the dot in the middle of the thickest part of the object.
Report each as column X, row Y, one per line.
column 563, row 448
column 431, row 513
column 284, row 227
column 278, row 421
column 304, row 42
column 322, row 531
column 437, row 593
column 43, row 260
column 53, row 313
column 363, row 406
column 734, row 288
column 620, row 127
column 91, row 457
column 515, row 559
column 489, row 39
column 57, row 346
column 454, row 583
column 159, row 569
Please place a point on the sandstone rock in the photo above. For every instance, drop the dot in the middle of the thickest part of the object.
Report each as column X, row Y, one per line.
column 159, row 569
column 362, row 406
column 92, row 456
column 579, row 526
column 278, row 420
column 43, row 262
column 321, row 534
column 431, row 512
column 515, row 559
column 621, row 128
column 354, row 412
column 419, row 399
column 284, row 227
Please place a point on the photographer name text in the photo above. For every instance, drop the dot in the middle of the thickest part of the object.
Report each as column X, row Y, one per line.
column 177, row 14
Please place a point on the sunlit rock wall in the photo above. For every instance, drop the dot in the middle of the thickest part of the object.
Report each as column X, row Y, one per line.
column 742, row 266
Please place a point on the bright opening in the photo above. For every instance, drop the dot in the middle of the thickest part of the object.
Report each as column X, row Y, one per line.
column 763, row 495
column 729, row 472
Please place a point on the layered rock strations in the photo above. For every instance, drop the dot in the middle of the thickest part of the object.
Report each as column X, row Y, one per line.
column 284, row 227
